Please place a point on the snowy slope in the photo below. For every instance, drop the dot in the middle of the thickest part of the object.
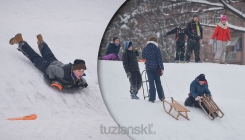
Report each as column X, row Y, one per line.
column 226, row 83
column 72, row 29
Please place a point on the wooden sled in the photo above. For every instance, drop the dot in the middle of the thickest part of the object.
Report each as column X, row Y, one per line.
column 178, row 107
column 213, row 108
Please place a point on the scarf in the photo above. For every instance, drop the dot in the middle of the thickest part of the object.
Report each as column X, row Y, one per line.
column 198, row 29
column 222, row 25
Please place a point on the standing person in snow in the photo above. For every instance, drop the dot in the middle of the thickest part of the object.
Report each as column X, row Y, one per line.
column 222, row 35
column 198, row 88
column 131, row 67
column 112, row 50
column 61, row 75
column 154, row 68
column 180, row 39
column 195, row 34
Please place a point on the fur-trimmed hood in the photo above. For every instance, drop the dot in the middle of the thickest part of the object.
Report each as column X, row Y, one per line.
column 153, row 42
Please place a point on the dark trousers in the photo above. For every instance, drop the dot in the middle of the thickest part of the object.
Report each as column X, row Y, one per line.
column 180, row 50
column 190, row 101
column 135, row 82
column 193, row 44
column 154, row 78
column 40, row 62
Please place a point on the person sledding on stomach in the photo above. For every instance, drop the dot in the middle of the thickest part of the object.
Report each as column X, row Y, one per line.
column 61, row 75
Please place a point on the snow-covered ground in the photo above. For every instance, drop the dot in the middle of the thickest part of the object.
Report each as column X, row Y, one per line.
column 72, row 29
column 226, row 83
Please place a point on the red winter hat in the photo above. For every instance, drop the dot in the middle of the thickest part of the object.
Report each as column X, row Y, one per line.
column 223, row 17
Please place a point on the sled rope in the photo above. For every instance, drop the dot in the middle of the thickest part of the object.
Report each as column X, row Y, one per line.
column 167, row 87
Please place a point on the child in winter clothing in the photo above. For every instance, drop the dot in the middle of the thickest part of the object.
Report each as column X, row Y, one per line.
column 198, row 88
column 112, row 50
column 66, row 75
column 154, row 68
column 131, row 68
column 222, row 35
column 180, row 39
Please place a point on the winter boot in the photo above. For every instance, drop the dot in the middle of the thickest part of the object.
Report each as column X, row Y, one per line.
column 16, row 40
column 176, row 61
column 40, row 41
column 198, row 61
column 152, row 101
column 134, row 96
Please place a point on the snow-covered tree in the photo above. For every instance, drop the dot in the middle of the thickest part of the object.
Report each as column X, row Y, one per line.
column 137, row 20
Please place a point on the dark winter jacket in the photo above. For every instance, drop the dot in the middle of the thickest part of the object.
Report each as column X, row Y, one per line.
column 153, row 56
column 199, row 90
column 192, row 31
column 180, row 34
column 63, row 73
column 112, row 48
column 130, row 62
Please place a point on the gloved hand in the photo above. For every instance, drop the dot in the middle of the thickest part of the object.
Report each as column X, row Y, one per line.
column 165, row 35
column 56, row 84
column 82, row 84
column 198, row 98
column 129, row 75
column 228, row 42
column 211, row 41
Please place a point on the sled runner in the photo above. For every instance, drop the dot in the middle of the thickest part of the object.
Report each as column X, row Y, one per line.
column 146, row 80
column 178, row 107
column 63, row 88
column 146, row 84
column 213, row 108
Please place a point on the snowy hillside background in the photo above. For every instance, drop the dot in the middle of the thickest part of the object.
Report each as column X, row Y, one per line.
column 226, row 84
column 72, row 29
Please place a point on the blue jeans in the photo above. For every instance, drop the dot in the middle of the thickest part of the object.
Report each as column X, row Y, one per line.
column 154, row 78
column 40, row 62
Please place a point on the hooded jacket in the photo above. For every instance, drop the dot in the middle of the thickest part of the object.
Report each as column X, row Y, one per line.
column 63, row 73
column 199, row 90
column 130, row 62
column 153, row 56
column 113, row 49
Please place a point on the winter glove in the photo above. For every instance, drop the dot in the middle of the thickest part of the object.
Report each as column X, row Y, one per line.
column 57, row 84
column 128, row 75
column 136, row 52
column 198, row 98
column 82, row 84
column 228, row 42
column 211, row 41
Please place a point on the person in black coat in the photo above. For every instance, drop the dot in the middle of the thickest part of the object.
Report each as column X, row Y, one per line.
column 131, row 67
column 180, row 38
column 195, row 34
column 112, row 50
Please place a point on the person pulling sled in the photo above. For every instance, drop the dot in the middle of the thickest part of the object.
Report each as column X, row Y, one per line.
column 68, row 76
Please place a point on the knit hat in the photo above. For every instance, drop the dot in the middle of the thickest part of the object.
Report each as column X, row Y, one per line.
column 194, row 15
column 201, row 77
column 153, row 38
column 127, row 44
column 223, row 17
column 79, row 64
column 115, row 38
